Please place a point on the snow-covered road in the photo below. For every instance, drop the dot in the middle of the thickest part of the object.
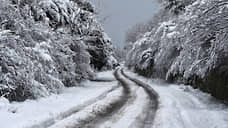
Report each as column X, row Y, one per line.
column 185, row 107
column 104, row 102
column 118, row 109
column 137, row 112
column 124, row 101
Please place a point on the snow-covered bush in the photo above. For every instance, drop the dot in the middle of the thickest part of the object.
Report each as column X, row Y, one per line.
column 48, row 44
column 188, row 47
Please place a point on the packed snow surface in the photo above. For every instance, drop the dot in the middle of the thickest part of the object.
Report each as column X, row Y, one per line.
column 179, row 106
column 90, row 111
column 32, row 112
column 130, row 115
column 105, row 75
column 185, row 107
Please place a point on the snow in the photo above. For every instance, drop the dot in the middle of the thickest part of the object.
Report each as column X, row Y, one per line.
column 185, row 107
column 106, row 75
column 127, row 116
column 90, row 111
column 179, row 107
column 3, row 103
column 3, row 33
column 173, row 34
column 44, row 54
column 112, row 60
column 106, row 37
column 33, row 112
column 130, row 114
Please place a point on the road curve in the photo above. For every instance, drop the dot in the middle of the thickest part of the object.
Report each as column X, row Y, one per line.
column 95, row 112
column 153, row 105
column 113, row 106
column 144, row 119
column 52, row 120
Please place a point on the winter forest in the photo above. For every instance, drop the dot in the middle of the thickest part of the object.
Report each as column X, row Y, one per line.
column 59, row 68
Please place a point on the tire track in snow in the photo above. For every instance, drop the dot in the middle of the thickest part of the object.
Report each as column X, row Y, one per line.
column 110, row 105
column 51, row 121
column 153, row 104
column 135, row 113
column 184, row 107
column 127, row 100
column 94, row 112
column 123, row 101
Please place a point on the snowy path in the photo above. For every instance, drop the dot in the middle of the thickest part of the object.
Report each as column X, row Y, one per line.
column 100, row 103
column 130, row 115
column 122, row 100
column 184, row 107
column 120, row 108
column 96, row 111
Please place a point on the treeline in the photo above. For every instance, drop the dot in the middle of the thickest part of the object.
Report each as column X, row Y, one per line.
column 46, row 45
column 185, row 42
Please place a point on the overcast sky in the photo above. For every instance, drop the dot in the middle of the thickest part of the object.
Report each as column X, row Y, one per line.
column 120, row 15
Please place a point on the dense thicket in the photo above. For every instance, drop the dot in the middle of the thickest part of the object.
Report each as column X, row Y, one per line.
column 48, row 44
column 186, row 43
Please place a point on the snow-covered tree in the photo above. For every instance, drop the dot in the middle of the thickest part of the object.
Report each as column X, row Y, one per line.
column 188, row 47
column 48, row 44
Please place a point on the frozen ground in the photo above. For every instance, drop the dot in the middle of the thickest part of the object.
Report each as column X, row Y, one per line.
column 185, row 107
column 103, row 104
column 118, row 109
column 90, row 112
column 32, row 112
column 105, row 76
column 133, row 113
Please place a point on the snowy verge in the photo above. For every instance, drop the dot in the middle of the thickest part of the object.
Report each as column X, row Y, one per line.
column 185, row 107
column 105, row 76
column 90, row 113
column 32, row 112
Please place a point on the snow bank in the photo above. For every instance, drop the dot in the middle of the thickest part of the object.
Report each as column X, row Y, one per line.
column 90, row 112
column 188, row 44
column 105, row 75
column 185, row 107
column 35, row 112
column 48, row 44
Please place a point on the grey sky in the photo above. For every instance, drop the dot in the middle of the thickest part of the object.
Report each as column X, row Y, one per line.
column 120, row 15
